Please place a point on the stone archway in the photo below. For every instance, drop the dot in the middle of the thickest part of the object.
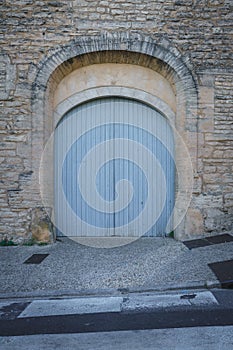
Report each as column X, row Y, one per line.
column 125, row 48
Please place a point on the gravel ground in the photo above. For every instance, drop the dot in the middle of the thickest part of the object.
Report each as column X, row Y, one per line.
column 72, row 266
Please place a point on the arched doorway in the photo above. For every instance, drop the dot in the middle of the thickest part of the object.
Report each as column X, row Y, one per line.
column 114, row 170
column 152, row 73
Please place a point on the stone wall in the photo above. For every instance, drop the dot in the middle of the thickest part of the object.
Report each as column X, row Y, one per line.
column 199, row 32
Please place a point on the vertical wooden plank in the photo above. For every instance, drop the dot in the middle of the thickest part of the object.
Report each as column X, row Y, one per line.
column 120, row 137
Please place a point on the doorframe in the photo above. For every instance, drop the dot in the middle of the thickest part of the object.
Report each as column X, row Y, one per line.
column 110, row 91
column 184, row 192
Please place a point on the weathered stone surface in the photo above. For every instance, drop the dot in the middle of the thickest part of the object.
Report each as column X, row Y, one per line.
column 41, row 227
column 7, row 76
column 194, row 224
column 37, row 37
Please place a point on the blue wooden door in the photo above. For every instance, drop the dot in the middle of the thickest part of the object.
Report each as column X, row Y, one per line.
column 114, row 170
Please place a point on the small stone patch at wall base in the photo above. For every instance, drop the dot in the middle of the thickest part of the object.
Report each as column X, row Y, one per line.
column 41, row 227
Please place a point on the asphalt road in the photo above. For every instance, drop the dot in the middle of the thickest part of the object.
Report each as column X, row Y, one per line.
column 151, row 321
column 197, row 338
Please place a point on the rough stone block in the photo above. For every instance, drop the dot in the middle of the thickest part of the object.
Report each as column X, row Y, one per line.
column 41, row 226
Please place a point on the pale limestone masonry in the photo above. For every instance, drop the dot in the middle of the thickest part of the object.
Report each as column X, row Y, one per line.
column 187, row 42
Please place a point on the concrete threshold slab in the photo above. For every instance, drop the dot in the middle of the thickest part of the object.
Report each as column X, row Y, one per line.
column 104, row 242
column 134, row 302
column 149, row 302
column 78, row 306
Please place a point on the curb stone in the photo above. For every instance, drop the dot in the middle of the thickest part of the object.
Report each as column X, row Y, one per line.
column 111, row 291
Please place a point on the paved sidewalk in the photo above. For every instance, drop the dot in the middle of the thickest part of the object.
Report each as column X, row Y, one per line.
column 196, row 338
column 74, row 269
